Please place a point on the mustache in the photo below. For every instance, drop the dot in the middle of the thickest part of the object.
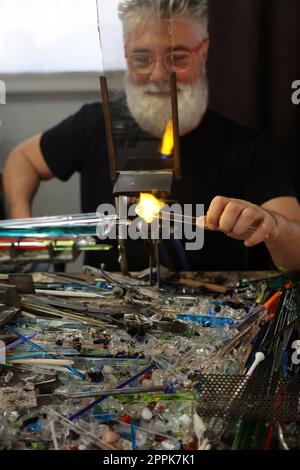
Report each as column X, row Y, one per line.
column 159, row 88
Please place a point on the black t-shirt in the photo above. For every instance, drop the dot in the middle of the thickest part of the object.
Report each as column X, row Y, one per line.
column 219, row 157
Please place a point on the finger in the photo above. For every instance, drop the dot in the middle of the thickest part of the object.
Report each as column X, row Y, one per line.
column 230, row 216
column 202, row 222
column 249, row 218
column 261, row 234
column 215, row 211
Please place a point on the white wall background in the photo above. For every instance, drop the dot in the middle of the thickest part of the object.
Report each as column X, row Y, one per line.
column 59, row 36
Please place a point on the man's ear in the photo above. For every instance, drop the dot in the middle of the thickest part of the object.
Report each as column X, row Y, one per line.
column 125, row 51
column 204, row 51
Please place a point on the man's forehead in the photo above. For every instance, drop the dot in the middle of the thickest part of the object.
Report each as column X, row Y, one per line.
column 181, row 32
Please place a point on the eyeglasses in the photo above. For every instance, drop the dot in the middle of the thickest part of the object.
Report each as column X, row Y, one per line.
column 176, row 61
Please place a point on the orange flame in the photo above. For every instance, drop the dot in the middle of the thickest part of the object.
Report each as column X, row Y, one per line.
column 149, row 207
column 168, row 140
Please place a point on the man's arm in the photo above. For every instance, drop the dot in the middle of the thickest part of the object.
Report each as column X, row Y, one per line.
column 24, row 169
column 276, row 223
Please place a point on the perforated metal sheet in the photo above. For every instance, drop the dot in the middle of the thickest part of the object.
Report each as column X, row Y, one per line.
column 255, row 398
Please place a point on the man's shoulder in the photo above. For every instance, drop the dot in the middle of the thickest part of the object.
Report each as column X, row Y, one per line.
column 229, row 127
column 229, row 138
column 117, row 107
column 91, row 111
column 120, row 115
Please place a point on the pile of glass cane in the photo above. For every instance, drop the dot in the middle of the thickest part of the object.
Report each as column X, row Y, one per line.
column 56, row 237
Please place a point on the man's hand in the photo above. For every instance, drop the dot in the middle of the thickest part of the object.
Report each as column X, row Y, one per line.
column 242, row 220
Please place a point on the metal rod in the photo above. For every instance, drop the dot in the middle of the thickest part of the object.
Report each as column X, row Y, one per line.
column 189, row 220
column 157, row 264
column 113, row 392
column 121, row 385
column 122, row 247
column 151, row 261
column 108, row 128
column 40, row 310
column 175, row 119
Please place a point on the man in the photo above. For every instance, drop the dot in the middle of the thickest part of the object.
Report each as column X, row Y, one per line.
column 218, row 156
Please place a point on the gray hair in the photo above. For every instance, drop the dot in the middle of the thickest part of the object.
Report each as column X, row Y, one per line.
column 133, row 12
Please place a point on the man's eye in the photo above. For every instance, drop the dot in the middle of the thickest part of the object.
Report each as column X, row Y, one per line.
column 142, row 60
column 180, row 59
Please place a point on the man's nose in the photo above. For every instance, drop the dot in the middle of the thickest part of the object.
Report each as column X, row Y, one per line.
column 159, row 73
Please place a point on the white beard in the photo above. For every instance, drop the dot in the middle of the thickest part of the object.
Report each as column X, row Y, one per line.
column 152, row 113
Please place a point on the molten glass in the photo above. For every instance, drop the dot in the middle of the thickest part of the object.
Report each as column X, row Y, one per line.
column 149, row 207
